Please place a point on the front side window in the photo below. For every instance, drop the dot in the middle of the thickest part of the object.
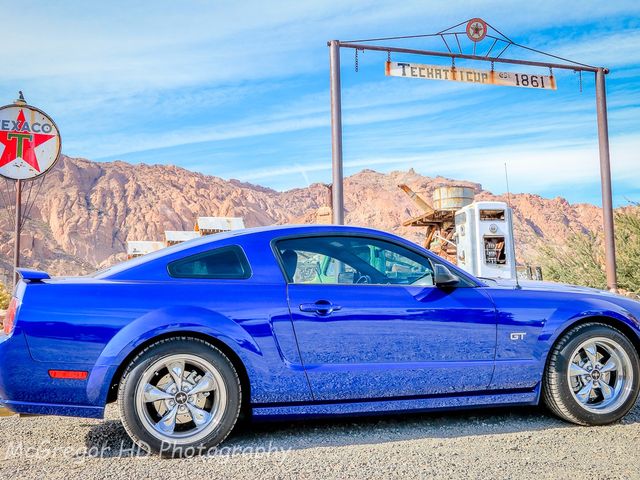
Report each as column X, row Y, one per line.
column 221, row 263
column 352, row 260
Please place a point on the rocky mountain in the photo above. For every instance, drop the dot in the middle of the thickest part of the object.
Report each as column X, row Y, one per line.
column 86, row 211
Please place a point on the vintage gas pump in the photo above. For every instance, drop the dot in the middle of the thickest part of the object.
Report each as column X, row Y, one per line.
column 485, row 245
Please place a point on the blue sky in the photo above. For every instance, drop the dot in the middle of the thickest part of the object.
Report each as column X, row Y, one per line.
column 241, row 90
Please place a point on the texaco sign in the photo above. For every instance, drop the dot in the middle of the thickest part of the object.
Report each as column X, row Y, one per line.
column 476, row 29
column 29, row 142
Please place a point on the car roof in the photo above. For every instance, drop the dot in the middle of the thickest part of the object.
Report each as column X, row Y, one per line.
column 272, row 231
column 275, row 231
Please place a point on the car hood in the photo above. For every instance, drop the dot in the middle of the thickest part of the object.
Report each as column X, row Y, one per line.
column 630, row 306
column 540, row 285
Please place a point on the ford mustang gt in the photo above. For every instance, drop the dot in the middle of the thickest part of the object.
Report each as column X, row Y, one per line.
column 306, row 321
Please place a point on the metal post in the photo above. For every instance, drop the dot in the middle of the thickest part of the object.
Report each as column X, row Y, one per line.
column 605, row 178
column 337, row 198
column 603, row 133
column 16, row 253
column 432, row 53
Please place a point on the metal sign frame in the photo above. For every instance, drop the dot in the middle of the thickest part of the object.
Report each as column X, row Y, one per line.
column 601, row 109
column 20, row 216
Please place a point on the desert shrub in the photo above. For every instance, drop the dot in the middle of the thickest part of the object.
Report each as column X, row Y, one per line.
column 5, row 296
column 580, row 260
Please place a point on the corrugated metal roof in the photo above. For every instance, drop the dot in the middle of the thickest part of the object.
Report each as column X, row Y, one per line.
column 142, row 247
column 220, row 223
column 180, row 235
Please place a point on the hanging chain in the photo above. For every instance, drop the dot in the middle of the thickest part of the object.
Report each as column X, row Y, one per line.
column 492, row 66
column 389, row 56
column 356, row 60
column 453, row 63
column 580, row 74
column 550, row 71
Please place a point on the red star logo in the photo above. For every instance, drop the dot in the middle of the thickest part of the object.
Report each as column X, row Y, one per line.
column 21, row 143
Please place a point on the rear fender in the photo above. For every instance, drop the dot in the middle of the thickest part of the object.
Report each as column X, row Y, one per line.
column 174, row 320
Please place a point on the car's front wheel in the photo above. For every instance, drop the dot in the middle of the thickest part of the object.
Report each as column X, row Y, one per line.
column 592, row 375
column 179, row 397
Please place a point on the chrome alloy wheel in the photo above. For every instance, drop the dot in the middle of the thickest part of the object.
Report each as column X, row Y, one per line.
column 600, row 375
column 181, row 398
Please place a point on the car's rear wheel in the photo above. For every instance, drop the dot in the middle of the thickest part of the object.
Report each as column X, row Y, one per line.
column 592, row 375
column 179, row 397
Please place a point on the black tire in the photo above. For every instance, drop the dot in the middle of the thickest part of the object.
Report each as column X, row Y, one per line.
column 557, row 391
column 140, row 430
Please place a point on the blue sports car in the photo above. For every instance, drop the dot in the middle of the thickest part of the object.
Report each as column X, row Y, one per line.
column 301, row 321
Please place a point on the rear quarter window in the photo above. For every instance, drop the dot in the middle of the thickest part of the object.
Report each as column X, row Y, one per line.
column 221, row 263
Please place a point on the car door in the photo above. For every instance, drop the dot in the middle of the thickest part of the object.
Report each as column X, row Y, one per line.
column 371, row 324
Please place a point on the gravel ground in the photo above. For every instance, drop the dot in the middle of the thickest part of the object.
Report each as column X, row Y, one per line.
column 508, row 443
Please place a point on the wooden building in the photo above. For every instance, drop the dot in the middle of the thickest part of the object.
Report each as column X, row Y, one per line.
column 211, row 225
column 137, row 248
column 173, row 237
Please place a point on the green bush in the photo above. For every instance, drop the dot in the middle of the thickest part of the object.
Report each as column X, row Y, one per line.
column 5, row 296
column 581, row 260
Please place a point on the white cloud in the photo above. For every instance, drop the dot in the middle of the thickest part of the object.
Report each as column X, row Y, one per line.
column 98, row 65
column 123, row 47
column 532, row 167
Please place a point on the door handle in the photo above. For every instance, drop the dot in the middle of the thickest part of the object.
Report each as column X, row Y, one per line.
column 321, row 307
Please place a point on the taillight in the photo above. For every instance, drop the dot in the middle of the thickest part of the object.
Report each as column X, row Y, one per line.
column 69, row 374
column 10, row 317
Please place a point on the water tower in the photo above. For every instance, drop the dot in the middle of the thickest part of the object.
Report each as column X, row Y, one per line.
column 438, row 217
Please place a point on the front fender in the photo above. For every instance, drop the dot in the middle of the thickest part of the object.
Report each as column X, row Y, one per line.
column 531, row 321
column 597, row 307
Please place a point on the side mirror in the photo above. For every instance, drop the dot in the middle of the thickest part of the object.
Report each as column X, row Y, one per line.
column 443, row 277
